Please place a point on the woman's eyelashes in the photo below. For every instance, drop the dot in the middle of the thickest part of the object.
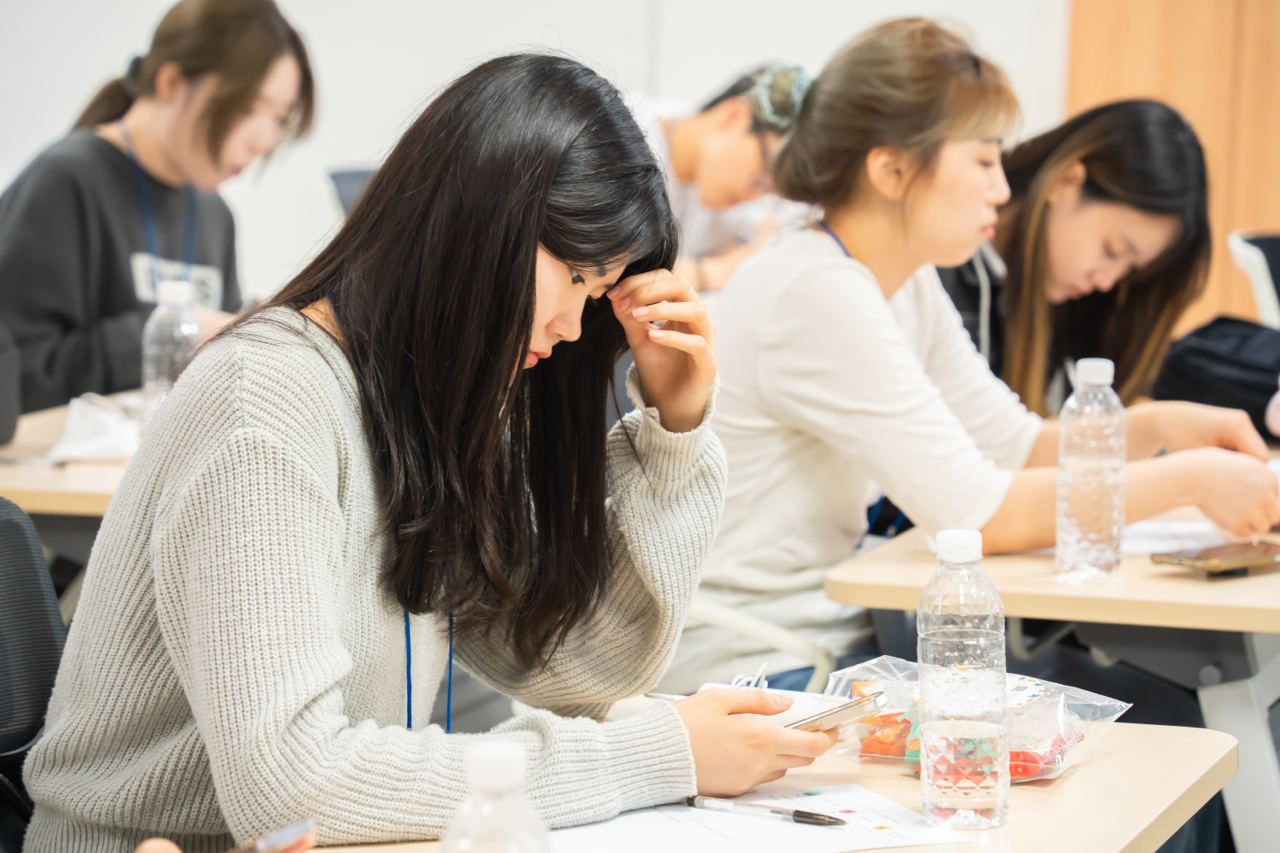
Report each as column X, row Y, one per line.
column 576, row 277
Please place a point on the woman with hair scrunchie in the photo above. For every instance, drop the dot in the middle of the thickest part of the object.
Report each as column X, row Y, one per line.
column 719, row 163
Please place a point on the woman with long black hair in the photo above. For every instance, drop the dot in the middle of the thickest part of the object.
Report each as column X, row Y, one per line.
column 384, row 470
column 1103, row 245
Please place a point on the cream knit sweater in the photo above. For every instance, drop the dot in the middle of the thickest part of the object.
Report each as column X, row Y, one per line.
column 235, row 665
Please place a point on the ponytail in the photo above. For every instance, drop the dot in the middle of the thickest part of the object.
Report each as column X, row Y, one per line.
column 114, row 99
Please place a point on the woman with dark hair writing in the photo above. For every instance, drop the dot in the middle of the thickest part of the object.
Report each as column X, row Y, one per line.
column 128, row 198
column 1102, row 246
column 395, row 465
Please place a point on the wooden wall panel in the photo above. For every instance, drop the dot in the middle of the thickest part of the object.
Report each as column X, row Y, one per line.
column 1216, row 63
column 1255, row 151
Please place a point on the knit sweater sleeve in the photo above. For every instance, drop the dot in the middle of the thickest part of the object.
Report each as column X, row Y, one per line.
column 666, row 496
column 248, row 560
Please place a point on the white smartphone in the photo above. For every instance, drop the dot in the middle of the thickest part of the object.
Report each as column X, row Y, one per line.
column 834, row 718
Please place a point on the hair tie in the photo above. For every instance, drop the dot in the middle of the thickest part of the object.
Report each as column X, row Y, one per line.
column 132, row 73
column 767, row 113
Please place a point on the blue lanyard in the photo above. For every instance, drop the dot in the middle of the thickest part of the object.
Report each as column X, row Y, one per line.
column 149, row 229
column 408, row 678
column 822, row 223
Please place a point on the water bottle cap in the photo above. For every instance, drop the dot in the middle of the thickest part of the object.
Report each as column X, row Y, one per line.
column 175, row 292
column 1095, row 371
column 495, row 765
column 960, row 546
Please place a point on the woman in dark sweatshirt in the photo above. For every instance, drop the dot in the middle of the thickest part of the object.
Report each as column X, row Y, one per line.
column 128, row 198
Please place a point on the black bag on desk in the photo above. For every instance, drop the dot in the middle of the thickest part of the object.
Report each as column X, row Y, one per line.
column 1226, row 362
column 10, row 390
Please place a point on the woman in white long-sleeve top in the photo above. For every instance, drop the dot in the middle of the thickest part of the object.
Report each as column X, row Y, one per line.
column 844, row 365
column 384, row 469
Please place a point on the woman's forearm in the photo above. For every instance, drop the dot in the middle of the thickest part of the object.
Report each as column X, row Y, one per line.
column 1026, row 518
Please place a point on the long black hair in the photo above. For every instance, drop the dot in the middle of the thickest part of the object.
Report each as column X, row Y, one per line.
column 1139, row 153
column 493, row 478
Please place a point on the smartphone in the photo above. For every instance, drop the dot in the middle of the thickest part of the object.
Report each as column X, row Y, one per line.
column 834, row 718
column 284, row 840
column 1234, row 557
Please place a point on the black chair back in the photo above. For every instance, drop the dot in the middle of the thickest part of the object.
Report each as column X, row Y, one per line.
column 31, row 640
column 10, row 385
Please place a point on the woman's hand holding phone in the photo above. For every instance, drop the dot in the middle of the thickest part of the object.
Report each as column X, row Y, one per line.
column 735, row 748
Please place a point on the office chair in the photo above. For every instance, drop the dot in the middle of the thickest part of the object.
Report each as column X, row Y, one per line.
column 782, row 639
column 31, row 640
column 1259, row 256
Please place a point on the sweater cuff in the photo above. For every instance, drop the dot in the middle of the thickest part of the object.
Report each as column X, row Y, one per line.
column 654, row 759
column 667, row 456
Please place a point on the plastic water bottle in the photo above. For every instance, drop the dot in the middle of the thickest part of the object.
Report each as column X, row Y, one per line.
column 496, row 817
column 964, row 732
column 170, row 336
column 1091, row 458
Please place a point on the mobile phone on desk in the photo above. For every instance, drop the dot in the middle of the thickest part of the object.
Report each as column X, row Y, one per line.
column 1233, row 558
column 840, row 715
column 294, row 838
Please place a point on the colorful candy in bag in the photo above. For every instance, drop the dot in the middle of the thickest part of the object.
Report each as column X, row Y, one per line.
column 1050, row 725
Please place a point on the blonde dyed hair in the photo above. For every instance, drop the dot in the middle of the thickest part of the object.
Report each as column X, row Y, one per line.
column 909, row 83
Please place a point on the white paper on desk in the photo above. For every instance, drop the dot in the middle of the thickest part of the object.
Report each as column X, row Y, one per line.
column 874, row 823
column 1152, row 537
column 97, row 428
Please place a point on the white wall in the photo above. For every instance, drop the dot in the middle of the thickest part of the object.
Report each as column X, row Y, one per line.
column 377, row 62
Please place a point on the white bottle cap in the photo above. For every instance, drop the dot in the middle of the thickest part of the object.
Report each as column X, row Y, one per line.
column 959, row 546
column 175, row 292
column 1095, row 371
column 495, row 765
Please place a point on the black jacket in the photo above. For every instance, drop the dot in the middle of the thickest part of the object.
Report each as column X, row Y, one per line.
column 977, row 290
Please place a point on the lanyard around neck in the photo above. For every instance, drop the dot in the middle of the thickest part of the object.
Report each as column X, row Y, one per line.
column 822, row 223
column 408, row 678
column 150, row 231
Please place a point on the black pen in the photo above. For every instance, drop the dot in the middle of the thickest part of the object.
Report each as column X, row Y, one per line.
column 796, row 815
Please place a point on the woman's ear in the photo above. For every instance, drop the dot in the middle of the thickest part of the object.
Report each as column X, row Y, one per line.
column 888, row 172
column 733, row 114
column 170, row 82
column 1067, row 185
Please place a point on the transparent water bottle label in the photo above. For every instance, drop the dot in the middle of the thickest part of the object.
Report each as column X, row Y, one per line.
column 964, row 768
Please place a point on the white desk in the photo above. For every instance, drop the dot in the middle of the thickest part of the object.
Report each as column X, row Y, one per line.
column 1137, row 787
column 1238, row 617
column 66, row 502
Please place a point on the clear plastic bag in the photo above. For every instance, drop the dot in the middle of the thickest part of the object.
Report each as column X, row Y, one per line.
column 1051, row 726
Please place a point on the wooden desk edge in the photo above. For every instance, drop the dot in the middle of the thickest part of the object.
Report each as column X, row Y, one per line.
column 1186, row 803
column 1260, row 620
column 38, row 502
column 1190, row 801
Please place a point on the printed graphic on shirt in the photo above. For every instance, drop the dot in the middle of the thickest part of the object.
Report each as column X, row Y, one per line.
column 148, row 270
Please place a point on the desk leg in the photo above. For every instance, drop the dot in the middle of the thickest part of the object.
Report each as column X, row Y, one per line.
column 1240, row 708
